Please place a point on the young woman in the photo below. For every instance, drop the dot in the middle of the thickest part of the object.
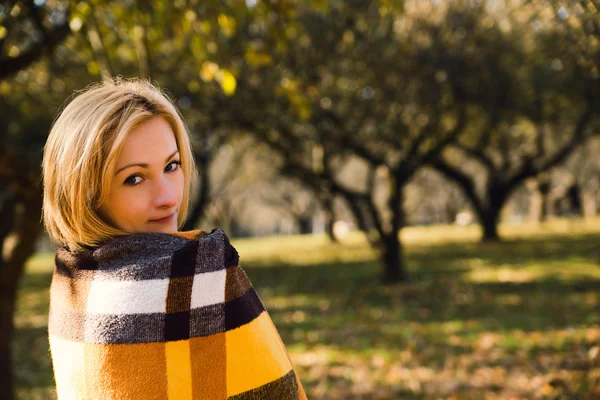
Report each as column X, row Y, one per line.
column 139, row 310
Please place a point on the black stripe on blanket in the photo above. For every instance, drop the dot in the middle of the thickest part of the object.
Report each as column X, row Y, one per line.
column 152, row 327
column 242, row 310
column 284, row 388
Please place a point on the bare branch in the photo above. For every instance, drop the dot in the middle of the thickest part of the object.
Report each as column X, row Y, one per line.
column 51, row 38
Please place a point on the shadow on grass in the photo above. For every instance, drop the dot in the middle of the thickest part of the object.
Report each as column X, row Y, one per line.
column 345, row 306
column 344, row 294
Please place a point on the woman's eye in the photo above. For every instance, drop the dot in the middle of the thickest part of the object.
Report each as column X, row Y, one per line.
column 173, row 165
column 133, row 180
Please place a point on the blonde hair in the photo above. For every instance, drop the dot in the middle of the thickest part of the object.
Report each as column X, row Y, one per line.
column 83, row 147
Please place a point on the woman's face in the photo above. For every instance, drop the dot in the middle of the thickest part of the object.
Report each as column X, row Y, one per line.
column 147, row 188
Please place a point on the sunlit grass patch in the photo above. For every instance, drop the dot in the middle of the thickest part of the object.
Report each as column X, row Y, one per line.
column 533, row 271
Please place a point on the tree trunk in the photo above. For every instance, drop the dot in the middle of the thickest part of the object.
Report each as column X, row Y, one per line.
column 544, row 188
column 496, row 196
column 7, row 305
column 7, row 298
column 574, row 194
column 7, row 220
column 489, row 225
column 489, row 214
column 11, row 271
column 329, row 214
column 539, row 198
column 304, row 224
column 393, row 260
column 546, row 207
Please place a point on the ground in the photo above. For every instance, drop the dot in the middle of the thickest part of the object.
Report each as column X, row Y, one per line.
column 518, row 319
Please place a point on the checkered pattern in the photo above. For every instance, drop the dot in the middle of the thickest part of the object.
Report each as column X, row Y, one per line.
column 163, row 316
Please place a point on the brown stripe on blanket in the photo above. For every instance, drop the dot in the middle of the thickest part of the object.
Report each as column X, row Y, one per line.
column 237, row 283
column 284, row 388
column 179, row 294
column 209, row 367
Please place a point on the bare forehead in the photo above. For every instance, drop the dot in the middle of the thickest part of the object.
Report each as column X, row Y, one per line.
column 154, row 137
column 152, row 134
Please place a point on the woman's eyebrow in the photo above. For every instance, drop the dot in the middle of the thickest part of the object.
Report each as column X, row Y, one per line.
column 143, row 165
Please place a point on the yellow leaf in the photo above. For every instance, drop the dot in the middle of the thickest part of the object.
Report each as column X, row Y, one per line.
column 75, row 24
column 227, row 81
column 227, row 24
column 208, row 71
column 190, row 15
column 14, row 51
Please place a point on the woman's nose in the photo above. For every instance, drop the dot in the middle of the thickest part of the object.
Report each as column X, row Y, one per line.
column 165, row 195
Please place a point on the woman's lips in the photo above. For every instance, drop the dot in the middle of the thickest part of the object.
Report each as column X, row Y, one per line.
column 164, row 220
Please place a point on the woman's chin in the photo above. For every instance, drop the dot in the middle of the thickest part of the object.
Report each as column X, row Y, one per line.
column 165, row 229
column 158, row 228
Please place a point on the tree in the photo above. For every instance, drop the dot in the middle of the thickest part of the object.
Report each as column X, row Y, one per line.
column 535, row 109
column 345, row 83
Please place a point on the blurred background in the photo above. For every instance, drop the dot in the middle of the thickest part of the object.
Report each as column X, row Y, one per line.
column 412, row 185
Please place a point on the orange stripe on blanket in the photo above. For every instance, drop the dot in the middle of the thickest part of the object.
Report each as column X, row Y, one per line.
column 179, row 370
column 247, row 349
column 109, row 372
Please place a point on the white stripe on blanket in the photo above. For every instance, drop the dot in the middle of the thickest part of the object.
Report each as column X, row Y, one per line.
column 208, row 288
column 128, row 297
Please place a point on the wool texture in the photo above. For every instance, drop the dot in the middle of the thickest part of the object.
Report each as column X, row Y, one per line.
column 163, row 316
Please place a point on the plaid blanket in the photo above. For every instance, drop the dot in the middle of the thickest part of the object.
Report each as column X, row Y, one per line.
column 163, row 316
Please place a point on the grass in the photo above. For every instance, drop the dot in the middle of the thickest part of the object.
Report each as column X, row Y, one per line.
column 513, row 320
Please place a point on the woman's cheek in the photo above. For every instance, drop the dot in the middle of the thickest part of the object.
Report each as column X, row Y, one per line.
column 131, row 205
